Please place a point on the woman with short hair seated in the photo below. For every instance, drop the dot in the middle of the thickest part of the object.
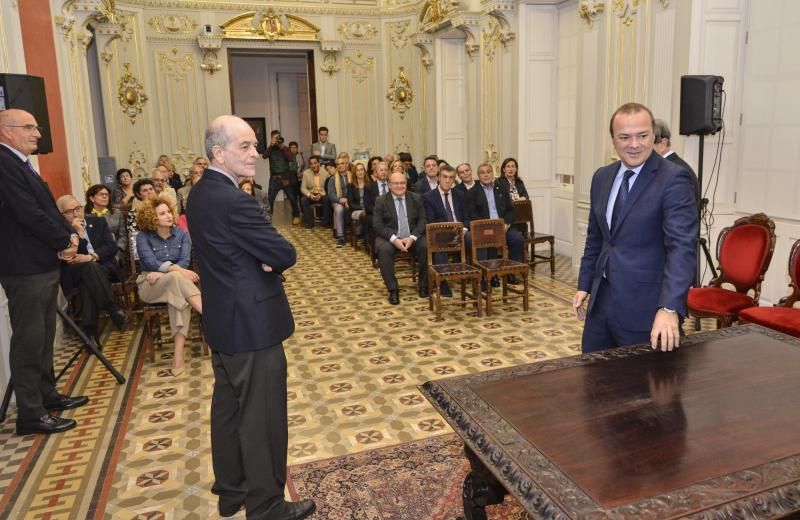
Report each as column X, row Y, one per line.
column 164, row 256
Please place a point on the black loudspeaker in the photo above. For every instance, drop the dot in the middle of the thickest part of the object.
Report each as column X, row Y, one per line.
column 701, row 105
column 27, row 93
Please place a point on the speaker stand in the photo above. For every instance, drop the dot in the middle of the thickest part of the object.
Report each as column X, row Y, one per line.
column 89, row 346
column 702, row 243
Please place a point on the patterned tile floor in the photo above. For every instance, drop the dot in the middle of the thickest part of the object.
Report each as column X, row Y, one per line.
column 354, row 364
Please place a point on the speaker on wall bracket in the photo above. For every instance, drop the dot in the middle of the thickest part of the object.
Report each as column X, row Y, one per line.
column 27, row 93
column 701, row 105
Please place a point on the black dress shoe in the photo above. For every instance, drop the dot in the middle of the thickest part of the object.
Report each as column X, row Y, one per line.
column 44, row 424
column 119, row 318
column 423, row 292
column 394, row 297
column 65, row 402
column 229, row 508
column 292, row 510
column 445, row 291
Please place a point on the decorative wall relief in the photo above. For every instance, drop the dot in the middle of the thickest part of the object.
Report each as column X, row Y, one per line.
column 359, row 68
column 423, row 42
column 137, row 162
column 357, row 30
column 130, row 95
column 589, row 10
column 491, row 39
column 399, row 34
column 126, row 22
column 626, row 10
column 400, row 94
column 210, row 45
column 435, row 12
column 330, row 49
column 269, row 25
column 178, row 65
column 469, row 24
column 173, row 24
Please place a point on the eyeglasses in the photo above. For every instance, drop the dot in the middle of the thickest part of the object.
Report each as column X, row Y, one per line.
column 29, row 128
column 76, row 209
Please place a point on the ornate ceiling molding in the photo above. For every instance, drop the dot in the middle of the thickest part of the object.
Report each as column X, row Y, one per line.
column 269, row 25
column 173, row 24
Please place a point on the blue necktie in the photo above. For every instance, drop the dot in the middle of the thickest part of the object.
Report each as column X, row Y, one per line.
column 622, row 196
column 447, row 209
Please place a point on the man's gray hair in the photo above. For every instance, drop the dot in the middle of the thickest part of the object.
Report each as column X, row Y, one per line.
column 661, row 130
column 215, row 135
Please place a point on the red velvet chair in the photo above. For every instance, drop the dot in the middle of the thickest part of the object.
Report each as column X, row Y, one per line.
column 782, row 317
column 744, row 251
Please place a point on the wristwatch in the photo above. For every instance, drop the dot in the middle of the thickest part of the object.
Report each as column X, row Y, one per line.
column 671, row 311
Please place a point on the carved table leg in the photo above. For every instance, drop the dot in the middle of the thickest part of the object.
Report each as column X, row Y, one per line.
column 480, row 489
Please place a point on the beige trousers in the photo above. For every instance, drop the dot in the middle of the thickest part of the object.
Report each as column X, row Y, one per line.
column 172, row 289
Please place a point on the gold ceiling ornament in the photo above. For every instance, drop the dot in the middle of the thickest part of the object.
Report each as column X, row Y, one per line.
column 357, row 30
column 359, row 68
column 173, row 24
column 589, row 10
column 130, row 95
column 399, row 34
column 269, row 25
column 399, row 94
column 435, row 12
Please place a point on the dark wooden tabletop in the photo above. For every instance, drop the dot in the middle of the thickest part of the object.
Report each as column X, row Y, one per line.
column 633, row 433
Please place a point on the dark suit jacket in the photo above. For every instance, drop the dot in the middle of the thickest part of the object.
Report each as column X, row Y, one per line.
column 244, row 308
column 354, row 196
column 384, row 219
column 104, row 246
column 371, row 195
column 422, row 187
column 649, row 259
column 478, row 206
column 503, row 182
column 677, row 159
column 434, row 208
column 33, row 229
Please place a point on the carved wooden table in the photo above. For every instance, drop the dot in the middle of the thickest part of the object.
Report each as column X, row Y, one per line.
column 711, row 430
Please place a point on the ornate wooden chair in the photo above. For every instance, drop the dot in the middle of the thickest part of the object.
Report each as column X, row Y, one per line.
column 151, row 315
column 744, row 251
column 523, row 214
column 783, row 316
column 448, row 238
column 491, row 234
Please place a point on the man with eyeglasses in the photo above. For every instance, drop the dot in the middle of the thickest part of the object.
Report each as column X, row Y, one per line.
column 399, row 223
column 37, row 236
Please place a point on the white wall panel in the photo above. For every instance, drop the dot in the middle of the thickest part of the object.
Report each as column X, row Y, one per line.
column 451, row 114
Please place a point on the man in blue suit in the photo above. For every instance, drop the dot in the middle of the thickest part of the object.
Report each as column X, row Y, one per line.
column 246, row 317
column 445, row 204
column 641, row 240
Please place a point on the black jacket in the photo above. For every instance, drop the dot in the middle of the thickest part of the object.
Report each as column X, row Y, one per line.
column 478, row 206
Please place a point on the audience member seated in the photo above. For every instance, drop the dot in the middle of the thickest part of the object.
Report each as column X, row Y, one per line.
column 173, row 177
column 93, row 268
column 388, row 158
column 445, row 204
column 159, row 177
column 373, row 166
column 313, row 189
column 123, row 194
column 355, row 195
column 142, row 189
column 97, row 198
column 247, row 186
column 338, row 196
column 164, row 256
column 512, row 185
column 195, row 174
column 399, row 224
column 371, row 193
column 428, row 181
column 488, row 200
column 464, row 171
column 408, row 165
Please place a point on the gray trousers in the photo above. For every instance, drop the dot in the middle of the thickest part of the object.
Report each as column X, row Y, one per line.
column 32, row 301
column 249, row 430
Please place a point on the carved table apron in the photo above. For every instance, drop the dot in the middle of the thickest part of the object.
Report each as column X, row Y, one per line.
column 710, row 430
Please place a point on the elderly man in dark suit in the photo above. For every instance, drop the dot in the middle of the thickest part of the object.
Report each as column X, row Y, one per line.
column 36, row 236
column 399, row 224
column 445, row 204
column 663, row 145
column 489, row 200
column 93, row 268
column 245, row 320
column 641, row 242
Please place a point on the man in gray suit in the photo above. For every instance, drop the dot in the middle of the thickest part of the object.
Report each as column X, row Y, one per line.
column 323, row 148
column 399, row 223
